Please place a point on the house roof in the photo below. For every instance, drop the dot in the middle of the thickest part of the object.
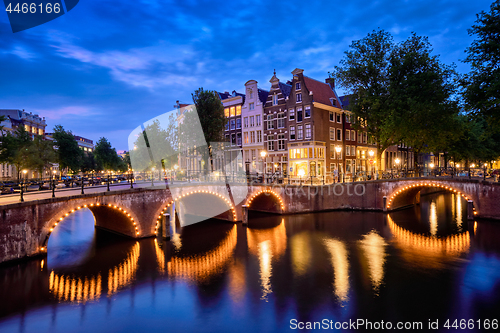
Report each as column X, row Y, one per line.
column 322, row 92
column 285, row 89
column 263, row 95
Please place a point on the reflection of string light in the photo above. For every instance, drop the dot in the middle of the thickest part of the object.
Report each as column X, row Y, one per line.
column 277, row 237
column 265, row 256
column 201, row 267
column 433, row 219
column 373, row 246
column 340, row 264
column 418, row 246
column 51, row 229
column 88, row 288
column 160, row 257
column 249, row 201
column 396, row 192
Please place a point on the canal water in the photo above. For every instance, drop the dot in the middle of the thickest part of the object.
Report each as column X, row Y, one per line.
column 427, row 263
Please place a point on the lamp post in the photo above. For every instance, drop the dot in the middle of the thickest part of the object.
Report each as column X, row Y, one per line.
column 432, row 167
column 152, row 175
column 53, row 183
column 338, row 149
column 22, row 185
column 276, row 170
column 470, row 171
column 485, row 168
column 263, row 154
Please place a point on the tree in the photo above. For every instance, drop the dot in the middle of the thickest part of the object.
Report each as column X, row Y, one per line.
column 69, row 155
column 105, row 156
column 40, row 154
column 482, row 85
column 14, row 149
column 88, row 162
column 400, row 92
column 212, row 120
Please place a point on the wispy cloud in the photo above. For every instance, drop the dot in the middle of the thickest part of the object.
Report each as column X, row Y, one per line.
column 66, row 112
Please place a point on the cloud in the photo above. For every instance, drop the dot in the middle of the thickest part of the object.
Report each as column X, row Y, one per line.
column 66, row 112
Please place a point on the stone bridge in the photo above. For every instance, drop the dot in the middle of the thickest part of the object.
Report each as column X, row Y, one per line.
column 26, row 227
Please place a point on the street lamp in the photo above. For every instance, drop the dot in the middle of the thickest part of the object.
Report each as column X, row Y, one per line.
column 338, row 149
column 397, row 162
column 371, row 153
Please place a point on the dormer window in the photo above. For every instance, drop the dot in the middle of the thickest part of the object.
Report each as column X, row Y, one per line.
column 297, row 86
column 332, row 100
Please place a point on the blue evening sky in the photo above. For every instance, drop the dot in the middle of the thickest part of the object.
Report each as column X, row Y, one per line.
column 105, row 67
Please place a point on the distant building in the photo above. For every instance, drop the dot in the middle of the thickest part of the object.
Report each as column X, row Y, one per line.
column 32, row 123
column 86, row 145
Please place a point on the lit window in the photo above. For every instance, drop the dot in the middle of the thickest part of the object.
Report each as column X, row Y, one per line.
column 238, row 110
column 232, row 111
column 299, row 132
column 252, row 137
column 226, row 112
column 347, row 135
column 347, row 150
column 245, row 137
column 270, row 142
column 332, row 151
column 332, row 134
column 292, row 132
column 339, row 134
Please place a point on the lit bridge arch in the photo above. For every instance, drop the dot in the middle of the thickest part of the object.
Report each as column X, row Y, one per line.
column 278, row 206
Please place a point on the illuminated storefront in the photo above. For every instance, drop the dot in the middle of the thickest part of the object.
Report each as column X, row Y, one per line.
column 307, row 159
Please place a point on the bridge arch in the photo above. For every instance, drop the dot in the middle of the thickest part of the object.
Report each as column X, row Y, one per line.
column 171, row 201
column 256, row 195
column 132, row 229
column 408, row 194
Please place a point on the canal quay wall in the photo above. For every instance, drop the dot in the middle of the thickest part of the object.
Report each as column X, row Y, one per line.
column 25, row 227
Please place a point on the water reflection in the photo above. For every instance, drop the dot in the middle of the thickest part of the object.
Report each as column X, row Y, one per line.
column 268, row 245
column 340, row 263
column 373, row 248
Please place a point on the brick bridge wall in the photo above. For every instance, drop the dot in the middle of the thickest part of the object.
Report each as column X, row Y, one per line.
column 26, row 227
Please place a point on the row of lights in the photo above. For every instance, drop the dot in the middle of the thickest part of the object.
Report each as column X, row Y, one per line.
column 266, row 191
column 92, row 205
column 189, row 193
column 391, row 198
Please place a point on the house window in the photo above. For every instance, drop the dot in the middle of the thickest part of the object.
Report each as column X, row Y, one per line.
column 292, row 132
column 275, row 99
column 233, row 139
column 347, row 135
column 233, row 124
column 299, row 132
column 348, row 118
column 299, row 114
column 348, row 166
column 360, row 137
column 281, row 120
column 226, row 112
column 251, row 93
column 297, row 86
column 332, row 133
column 252, row 121
column 353, row 150
column 270, row 122
column 245, row 122
column 245, row 137
column 238, row 123
column 227, row 137
column 347, row 150
column 257, row 120
column 292, row 114
column 307, row 112
column 281, row 141
column 238, row 139
column 299, row 97
column 308, row 131
column 232, row 111
column 270, row 142
column 365, row 137
column 332, row 151
column 254, row 155
column 333, row 167
column 238, row 110
column 227, row 126
column 259, row 136
column 353, row 135
column 339, row 118
column 252, row 137
column 339, row 155
column 332, row 116
column 339, row 134
column 252, row 106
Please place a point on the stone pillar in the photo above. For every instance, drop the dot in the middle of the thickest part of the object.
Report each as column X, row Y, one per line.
column 244, row 214
column 384, row 202
column 165, row 226
column 470, row 210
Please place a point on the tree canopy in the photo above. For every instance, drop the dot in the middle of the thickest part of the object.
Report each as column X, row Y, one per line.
column 69, row 155
column 106, row 157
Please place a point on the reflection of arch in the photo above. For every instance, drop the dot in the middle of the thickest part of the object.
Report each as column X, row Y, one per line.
column 51, row 226
column 164, row 209
column 202, row 267
column 88, row 288
column 426, row 245
column 265, row 192
column 276, row 235
column 417, row 187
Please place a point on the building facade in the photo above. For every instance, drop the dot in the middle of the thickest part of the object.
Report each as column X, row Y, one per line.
column 252, row 114
column 233, row 159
